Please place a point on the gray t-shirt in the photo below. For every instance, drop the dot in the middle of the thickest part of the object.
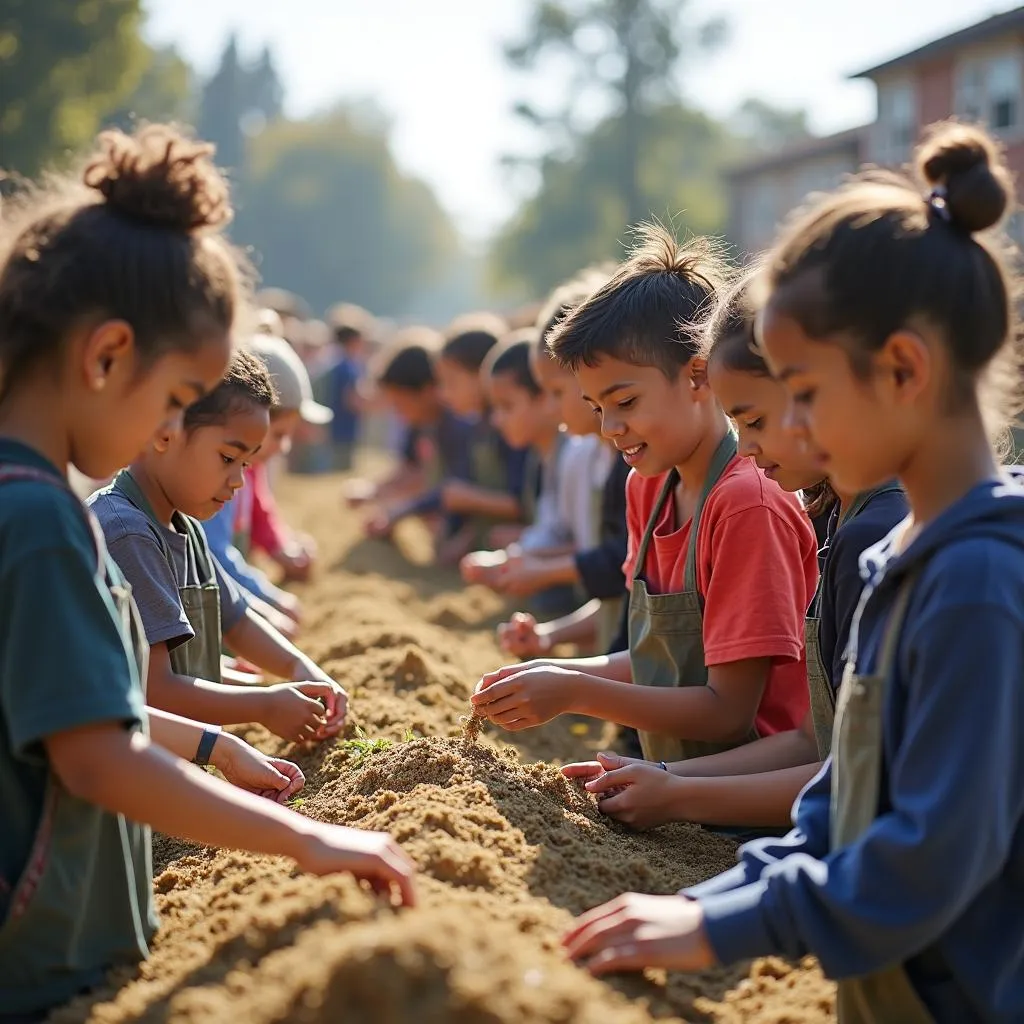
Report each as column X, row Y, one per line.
column 133, row 540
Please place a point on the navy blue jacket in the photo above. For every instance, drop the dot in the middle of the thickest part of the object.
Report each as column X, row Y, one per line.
column 941, row 869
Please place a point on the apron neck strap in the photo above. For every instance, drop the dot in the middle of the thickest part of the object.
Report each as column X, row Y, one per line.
column 724, row 454
column 861, row 501
column 894, row 626
column 129, row 487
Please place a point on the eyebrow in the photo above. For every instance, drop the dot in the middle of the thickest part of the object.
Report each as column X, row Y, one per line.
column 611, row 389
column 243, row 447
column 788, row 371
column 738, row 410
column 197, row 386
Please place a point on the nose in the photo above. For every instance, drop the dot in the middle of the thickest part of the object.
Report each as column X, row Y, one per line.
column 237, row 480
column 286, row 446
column 612, row 426
column 748, row 447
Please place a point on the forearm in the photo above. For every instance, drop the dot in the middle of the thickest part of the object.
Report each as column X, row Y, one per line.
column 179, row 735
column 256, row 640
column 606, row 667
column 769, row 754
column 482, row 501
column 553, row 571
column 579, row 626
column 202, row 700
column 686, row 712
column 766, row 798
column 132, row 776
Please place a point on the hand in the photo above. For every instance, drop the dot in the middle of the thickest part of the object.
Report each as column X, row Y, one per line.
column 284, row 624
column 522, row 636
column 253, row 771
column 530, row 697
column 296, row 563
column 480, row 566
column 375, row 856
column 512, row 670
column 333, row 697
column 588, row 771
column 637, row 793
column 380, row 525
column 288, row 604
column 293, row 715
column 634, row 931
column 520, row 576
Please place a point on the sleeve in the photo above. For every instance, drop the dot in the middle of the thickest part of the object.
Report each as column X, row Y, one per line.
column 635, row 523
column 455, row 447
column 154, row 587
column 842, row 587
column 601, row 567
column 269, row 533
column 408, row 446
column 891, row 893
column 755, row 588
column 233, row 604
column 218, row 535
column 63, row 663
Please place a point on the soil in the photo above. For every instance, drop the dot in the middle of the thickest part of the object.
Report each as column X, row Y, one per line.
column 508, row 849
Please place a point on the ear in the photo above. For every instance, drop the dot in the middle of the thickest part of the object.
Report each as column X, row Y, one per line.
column 904, row 365
column 162, row 440
column 697, row 373
column 109, row 347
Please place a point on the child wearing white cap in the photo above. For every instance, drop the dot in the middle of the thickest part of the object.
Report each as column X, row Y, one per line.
column 251, row 520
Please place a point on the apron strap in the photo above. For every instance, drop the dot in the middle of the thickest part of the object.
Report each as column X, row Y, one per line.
column 724, row 454
column 666, row 489
column 894, row 627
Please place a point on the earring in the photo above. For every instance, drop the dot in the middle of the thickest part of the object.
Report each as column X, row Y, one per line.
column 99, row 383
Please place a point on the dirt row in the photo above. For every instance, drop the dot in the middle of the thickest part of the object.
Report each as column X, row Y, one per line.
column 508, row 849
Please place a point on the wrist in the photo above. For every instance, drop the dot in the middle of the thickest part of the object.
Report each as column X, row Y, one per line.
column 223, row 750
column 208, row 743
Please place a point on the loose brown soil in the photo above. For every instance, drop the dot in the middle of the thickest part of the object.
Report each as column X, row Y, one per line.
column 508, row 849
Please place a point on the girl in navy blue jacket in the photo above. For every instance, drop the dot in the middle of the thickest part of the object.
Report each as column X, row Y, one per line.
column 887, row 314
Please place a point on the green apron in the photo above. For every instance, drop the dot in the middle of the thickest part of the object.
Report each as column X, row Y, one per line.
column 60, row 916
column 823, row 698
column 488, row 473
column 200, row 656
column 885, row 996
column 666, row 631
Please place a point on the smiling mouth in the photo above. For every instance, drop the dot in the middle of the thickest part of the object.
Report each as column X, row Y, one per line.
column 632, row 453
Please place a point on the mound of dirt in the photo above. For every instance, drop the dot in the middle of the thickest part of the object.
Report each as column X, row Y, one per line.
column 508, row 849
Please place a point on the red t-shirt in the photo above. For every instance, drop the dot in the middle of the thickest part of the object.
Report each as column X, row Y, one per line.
column 757, row 568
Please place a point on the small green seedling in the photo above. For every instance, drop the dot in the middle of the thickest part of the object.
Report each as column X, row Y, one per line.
column 357, row 750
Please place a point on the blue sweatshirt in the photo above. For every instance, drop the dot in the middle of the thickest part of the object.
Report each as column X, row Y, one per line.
column 941, row 869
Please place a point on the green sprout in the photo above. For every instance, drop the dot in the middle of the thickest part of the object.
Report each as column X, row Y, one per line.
column 357, row 750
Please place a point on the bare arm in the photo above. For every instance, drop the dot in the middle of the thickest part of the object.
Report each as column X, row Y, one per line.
column 125, row 773
column 783, row 750
column 461, row 496
column 577, row 627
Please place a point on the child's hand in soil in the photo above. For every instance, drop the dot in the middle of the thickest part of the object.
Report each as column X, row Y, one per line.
column 333, row 697
column 481, row 566
column 528, row 698
column 637, row 793
column 295, row 711
column 374, row 856
column 380, row 525
column 296, row 562
column 520, row 576
column 635, row 931
column 512, row 670
column 249, row 769
column 524, row 636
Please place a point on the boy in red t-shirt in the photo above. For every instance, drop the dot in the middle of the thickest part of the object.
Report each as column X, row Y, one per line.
column 722, row 563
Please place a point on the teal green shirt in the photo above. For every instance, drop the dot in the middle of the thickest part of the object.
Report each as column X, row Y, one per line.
column 63, row 664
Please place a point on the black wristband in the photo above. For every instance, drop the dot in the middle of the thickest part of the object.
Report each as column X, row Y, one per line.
column 662, row 765
column 206, row 744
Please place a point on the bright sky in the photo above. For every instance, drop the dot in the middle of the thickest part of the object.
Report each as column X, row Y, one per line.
column 436, row 67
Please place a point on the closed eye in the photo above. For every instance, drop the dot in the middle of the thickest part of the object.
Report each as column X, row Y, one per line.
column 627, row 403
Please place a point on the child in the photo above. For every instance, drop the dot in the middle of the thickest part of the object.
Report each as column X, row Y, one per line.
column 888, row 311
column 527, row 417
column 234, row 522
column 756, row 785
column 439, row 443
column 495, row 493
column 338, row 385
column 187, row 604
column 595, row 567
column 117, row 299
column 722, row 563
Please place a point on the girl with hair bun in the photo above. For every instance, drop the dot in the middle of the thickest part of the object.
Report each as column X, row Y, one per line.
column 890, row 316
column 118, row 296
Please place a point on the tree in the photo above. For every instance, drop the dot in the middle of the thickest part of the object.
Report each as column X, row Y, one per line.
column 330, row 216
column 222, row 106
column 768, row 127
column 579, row 216
column 62, row 67
column 164, row 93
column 627, row 51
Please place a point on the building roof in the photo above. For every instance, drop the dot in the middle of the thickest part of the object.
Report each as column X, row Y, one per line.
column 1008, row 21
column 797, row 152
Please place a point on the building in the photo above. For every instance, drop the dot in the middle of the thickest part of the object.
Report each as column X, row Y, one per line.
column 762, row 191
column 975, row 74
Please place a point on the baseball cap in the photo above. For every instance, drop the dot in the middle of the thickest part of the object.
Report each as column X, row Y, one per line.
column 290, row 378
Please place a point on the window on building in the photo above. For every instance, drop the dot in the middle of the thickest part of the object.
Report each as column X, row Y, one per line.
column 989, row 91
column 897, row 122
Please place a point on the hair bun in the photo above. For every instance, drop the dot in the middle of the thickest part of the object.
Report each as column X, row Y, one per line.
column 157, row 176
column 967, row 164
